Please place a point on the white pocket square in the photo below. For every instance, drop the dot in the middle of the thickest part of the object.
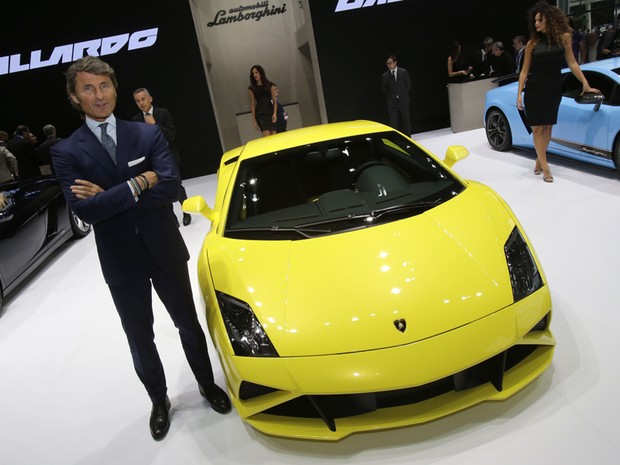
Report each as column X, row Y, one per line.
column 135, row 162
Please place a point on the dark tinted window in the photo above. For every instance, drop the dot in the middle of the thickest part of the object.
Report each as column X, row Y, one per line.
column 334, row 186
column 572, row 87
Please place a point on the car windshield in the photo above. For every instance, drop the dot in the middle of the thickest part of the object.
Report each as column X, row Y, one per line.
column 335, row 186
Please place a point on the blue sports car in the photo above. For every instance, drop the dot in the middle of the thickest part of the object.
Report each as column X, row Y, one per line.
column 588, row 127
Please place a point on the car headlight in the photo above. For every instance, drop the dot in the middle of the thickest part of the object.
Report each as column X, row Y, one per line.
column 247, row 336
column 524, row 275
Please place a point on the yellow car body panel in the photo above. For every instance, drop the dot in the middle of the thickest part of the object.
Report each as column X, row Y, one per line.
column 331, row 305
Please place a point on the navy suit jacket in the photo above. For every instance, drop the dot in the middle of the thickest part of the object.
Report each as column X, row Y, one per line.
column 131, row 236
column 400, row 87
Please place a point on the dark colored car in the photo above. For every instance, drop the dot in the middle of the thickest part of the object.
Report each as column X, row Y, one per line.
column 34, row 221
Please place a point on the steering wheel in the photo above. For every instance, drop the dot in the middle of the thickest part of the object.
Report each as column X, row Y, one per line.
column 363, row 167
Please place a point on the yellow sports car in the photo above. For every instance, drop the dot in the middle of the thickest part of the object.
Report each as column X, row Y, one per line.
column 353, row 282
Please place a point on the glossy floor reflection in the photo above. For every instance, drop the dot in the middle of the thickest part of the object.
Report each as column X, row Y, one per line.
column 69, row 394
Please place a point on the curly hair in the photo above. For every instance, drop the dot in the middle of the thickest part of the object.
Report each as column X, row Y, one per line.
column 557, row 23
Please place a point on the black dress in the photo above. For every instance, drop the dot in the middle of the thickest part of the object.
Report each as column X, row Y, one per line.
column 460, row 64
column 264, row 107
column 543, row 88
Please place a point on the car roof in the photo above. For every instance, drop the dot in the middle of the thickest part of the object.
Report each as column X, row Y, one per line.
column 610, row 64
column 308, row 135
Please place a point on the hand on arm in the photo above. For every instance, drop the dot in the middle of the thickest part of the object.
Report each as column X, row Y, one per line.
column 574, row 66
column 83, row 189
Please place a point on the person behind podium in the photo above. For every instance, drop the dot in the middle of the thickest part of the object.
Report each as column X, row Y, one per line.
column 458, row 69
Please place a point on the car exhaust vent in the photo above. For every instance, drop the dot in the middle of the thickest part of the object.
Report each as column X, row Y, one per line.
column 250, row 390
column 331, row 407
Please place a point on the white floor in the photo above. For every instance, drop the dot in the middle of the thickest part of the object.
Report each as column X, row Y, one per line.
column 68, row 393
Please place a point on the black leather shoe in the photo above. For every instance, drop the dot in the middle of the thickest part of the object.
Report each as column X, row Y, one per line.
column 187, row 219
column 160, row 419
column 216, row 396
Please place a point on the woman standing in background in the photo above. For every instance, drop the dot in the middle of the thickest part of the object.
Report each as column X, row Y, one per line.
column 263, row 101
column 549, row 45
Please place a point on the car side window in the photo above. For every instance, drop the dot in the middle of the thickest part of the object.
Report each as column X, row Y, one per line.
column 572, row 87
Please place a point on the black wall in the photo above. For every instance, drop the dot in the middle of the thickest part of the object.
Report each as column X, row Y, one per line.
column 353, row 45
column 171, row 69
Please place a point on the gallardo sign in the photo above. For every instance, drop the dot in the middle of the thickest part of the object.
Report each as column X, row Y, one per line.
column 71, row 52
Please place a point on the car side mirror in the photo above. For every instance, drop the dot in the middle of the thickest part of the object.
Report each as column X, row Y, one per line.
column 455, row 153
column 197, row 204
column 591, row 98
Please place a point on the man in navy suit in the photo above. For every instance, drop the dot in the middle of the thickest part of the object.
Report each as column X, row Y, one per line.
column 396, row 85
column 162, row 118
column 120, row 177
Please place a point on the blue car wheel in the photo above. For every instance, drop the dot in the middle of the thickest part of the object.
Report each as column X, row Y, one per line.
column 498, row 130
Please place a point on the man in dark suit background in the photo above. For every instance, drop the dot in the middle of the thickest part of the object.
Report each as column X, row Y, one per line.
column 45, row 156
column 482, row 59
column 22, row 146
column 120, row 176
column 518, row 43
column 161, row 117
column 396, row 85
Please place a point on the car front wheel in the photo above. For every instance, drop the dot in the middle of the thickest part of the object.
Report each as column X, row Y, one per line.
column 498, row 130
column 80, row 229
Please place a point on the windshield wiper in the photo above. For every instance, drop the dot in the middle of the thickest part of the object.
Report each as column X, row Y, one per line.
column 405, row 207
column 371, row 216
column 301, row 231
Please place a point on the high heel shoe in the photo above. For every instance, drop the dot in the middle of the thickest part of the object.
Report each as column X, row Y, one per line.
column 537, row 168
column 547, row 177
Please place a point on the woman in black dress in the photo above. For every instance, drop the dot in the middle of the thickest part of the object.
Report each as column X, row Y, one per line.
column 549, row 45
column 458, row 69
column 263, row 101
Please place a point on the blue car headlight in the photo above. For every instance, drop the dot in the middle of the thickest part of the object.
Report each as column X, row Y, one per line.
column 524, row 275
column 246, row 334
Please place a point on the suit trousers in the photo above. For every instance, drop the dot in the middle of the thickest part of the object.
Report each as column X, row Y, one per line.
column 398, row 115
column 134, row 305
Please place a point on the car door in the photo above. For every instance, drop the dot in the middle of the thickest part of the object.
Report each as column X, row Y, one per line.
column 24, row 224
column 582, row 132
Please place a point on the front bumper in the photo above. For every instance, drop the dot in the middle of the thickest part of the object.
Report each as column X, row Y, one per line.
column 332, row 396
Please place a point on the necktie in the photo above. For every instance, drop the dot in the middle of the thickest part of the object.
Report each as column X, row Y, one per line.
column 394, row 74
column 108, row 142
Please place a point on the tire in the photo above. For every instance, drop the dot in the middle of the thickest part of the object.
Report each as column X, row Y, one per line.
column 498, row 130
column 79, row 228
column 616, row 154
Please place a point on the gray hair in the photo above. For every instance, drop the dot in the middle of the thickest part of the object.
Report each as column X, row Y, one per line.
column 49, row 130
column 87, row 64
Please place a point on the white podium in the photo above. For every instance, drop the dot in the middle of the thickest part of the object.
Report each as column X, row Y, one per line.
column 466, row 101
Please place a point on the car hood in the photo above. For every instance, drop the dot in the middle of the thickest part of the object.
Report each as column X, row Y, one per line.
column 352, row 291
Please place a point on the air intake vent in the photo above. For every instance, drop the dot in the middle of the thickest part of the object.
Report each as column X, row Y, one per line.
column 250, row 390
